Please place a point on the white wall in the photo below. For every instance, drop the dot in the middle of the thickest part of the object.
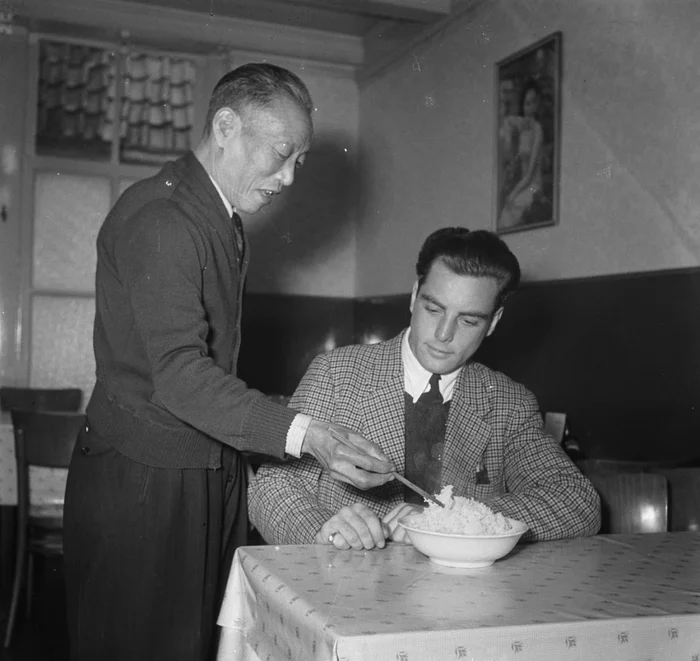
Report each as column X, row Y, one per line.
column 13, row 63
column 630, row 153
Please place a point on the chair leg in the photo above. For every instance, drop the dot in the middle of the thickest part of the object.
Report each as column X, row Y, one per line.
column 30, row 584
column 16, row 587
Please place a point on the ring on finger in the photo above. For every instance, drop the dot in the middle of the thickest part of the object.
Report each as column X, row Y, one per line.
column 331, row 537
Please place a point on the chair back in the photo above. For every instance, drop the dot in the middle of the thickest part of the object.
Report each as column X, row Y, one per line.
column 632, row 502
column 40, row 399
column 45, row 438
column 614, row 466
column 683, row 497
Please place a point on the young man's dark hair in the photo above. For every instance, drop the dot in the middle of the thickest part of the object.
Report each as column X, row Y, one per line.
column 479, row 254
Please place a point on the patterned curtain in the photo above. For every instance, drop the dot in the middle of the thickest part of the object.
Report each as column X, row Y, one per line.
column 76, row 106
column 157, row 110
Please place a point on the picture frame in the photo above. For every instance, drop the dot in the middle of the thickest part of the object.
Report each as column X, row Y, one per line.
column 528, row 137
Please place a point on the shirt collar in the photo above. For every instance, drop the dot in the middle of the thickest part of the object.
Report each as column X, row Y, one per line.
column 416, row 377
column 227, row 204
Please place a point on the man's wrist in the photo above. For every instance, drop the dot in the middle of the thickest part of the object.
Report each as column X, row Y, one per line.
column 296, row 434
column 307, row 445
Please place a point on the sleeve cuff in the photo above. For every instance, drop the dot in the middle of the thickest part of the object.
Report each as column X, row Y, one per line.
column 296, row 434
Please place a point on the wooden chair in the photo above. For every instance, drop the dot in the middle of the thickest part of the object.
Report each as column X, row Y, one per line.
column 632, row 502
column 31, row 399
column 40, row 399
column 683, row 496
column 42, row 438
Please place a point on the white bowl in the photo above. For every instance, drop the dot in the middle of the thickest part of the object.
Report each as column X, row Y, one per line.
column 453, row 550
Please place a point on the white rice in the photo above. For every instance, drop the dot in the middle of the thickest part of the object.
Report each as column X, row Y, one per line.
column 464, row 516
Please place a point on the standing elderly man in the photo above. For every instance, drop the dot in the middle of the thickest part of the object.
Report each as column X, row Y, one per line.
column 156, row 496
column 441, row 417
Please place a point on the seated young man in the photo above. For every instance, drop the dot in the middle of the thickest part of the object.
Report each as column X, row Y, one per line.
column 440, row 417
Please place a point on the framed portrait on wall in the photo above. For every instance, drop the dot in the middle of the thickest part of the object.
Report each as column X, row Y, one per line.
column 528, row 107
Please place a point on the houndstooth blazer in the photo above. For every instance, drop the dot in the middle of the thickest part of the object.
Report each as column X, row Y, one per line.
column 495, row 450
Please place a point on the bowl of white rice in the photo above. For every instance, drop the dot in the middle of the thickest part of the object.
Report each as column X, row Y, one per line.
column 464, row 533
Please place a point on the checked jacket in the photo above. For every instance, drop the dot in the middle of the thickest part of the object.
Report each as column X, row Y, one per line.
column 495, row 450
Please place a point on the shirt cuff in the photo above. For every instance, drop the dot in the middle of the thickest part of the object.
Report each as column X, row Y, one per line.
column 296, row 433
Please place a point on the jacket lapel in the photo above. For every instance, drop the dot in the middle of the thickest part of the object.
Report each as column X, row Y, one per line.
column 467, row 433
column 382, row 404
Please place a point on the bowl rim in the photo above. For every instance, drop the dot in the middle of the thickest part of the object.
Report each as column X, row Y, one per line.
column 521, row 525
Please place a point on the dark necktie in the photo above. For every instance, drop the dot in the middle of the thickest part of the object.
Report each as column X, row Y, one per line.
column 425, row 423
column 238, row 233
column 432, row 396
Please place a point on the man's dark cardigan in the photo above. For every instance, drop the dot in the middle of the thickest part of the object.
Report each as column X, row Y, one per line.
column 167, row 328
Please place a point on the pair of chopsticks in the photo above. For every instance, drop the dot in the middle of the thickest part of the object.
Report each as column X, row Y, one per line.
column 414, row 487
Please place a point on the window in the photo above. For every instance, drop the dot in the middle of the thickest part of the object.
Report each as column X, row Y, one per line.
column 76, row 101
column 77, row 165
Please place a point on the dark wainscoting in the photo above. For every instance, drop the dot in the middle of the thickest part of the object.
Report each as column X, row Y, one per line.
column 281, row 335
column 619, row 354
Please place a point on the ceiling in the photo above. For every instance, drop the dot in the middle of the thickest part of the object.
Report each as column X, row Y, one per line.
column 357, row 18
column 357, row 34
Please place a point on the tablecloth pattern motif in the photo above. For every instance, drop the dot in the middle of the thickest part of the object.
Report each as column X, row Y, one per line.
column 617, row 597
column 47, row 485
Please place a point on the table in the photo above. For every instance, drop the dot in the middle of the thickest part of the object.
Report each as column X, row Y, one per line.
column 612, row 597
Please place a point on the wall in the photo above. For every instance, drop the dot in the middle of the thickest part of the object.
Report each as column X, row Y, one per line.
column 13, row 66
column 630, row 152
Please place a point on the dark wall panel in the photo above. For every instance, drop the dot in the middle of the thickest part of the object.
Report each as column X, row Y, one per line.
column 281, row 335
column 619, row 354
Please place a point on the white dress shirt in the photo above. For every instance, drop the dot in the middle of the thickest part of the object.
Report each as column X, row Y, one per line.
column 416, row 378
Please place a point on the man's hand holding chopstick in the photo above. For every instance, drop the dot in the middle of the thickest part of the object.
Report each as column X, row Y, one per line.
column 347, row 456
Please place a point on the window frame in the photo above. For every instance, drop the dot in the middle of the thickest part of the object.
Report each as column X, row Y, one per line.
column 111, row 169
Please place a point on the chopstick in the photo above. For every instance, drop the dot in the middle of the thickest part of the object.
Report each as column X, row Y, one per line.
column 396, row 475
column 417, row 489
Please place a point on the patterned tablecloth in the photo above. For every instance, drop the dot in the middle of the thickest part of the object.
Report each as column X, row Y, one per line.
column 611, row 597
column 47, row 485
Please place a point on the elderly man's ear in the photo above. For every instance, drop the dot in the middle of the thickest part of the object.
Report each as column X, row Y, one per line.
column 227, row 123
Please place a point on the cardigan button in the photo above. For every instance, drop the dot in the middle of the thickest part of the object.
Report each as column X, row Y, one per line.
column 85, row 450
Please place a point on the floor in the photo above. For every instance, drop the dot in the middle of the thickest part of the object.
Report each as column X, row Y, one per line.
column 43, row 637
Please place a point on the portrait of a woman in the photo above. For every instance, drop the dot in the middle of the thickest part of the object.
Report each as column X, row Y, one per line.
column 526, row 159
column 526, row 137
